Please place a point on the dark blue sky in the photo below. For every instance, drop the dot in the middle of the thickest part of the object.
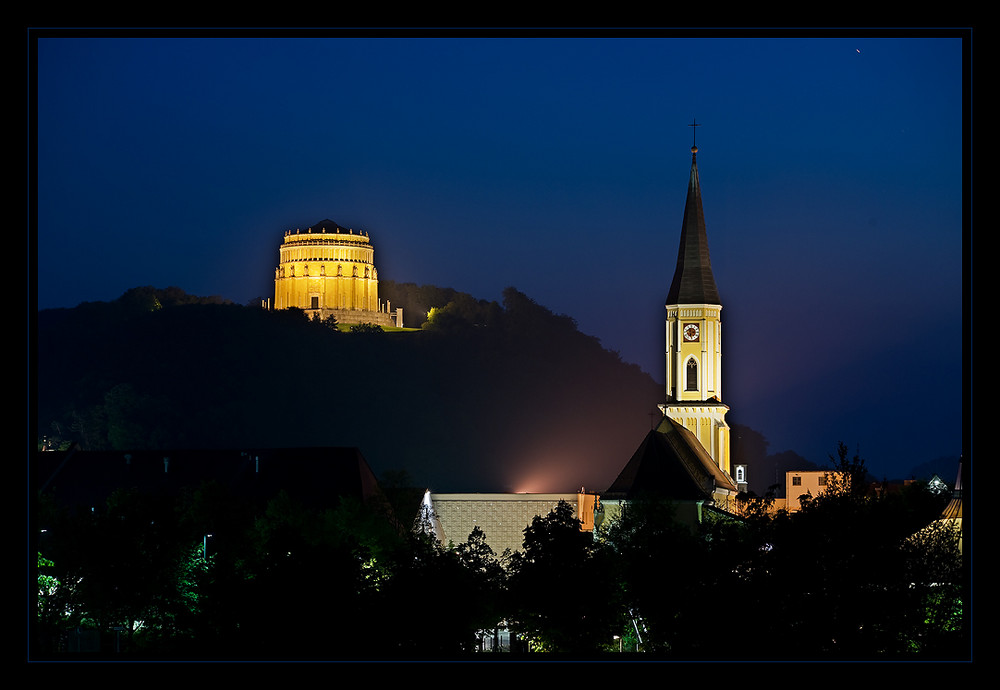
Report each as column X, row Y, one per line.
column 831, row 171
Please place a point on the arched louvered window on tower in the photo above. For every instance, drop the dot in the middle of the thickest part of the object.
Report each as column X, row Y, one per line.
column 692, row 375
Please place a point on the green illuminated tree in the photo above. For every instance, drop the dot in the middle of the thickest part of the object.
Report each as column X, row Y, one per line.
column 125, row 564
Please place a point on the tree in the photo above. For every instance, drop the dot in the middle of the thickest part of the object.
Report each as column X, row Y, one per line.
column 134, row 419
column 849, row 478
column 126, row 564
column 842, row 578
column 486, row 580
column 367, row 329
column 662, row 576
column 560, row 587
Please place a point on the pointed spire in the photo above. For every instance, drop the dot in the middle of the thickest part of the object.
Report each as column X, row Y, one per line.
column 693, row 280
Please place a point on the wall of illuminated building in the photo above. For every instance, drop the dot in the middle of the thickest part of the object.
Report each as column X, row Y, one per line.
column 329, row 271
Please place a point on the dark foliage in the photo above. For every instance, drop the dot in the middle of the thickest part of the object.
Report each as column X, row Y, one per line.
column 417, row 300
column 210, row 576
column 561, row 590
column 190, row 374
column 662, row 572
column 855, row 575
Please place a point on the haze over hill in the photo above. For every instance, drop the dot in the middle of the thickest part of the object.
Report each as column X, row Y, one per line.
column 485, row 397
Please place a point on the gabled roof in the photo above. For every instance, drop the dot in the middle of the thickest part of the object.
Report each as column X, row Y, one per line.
column 693, row 281
column 670, row 463
column 316, row 476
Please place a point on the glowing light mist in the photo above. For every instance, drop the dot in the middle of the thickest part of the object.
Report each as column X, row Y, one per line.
column 428, row 517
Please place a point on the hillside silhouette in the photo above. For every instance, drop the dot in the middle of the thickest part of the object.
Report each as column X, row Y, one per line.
column 484, row 397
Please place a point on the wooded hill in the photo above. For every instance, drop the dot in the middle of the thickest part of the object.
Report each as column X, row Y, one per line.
column 485, row 397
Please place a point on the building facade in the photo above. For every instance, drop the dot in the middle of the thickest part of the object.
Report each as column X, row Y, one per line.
column 328, row 270
column 798, row 483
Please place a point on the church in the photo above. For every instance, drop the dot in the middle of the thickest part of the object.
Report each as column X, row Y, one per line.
column 686, row 457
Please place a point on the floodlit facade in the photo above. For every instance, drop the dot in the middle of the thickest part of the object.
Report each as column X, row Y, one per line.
column 328, row 270
column 801, row 482
column 694, row 335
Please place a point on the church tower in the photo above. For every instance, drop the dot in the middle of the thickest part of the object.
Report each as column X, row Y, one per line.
column 694, row 335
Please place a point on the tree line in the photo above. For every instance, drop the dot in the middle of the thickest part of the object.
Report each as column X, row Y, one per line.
column 852, row 576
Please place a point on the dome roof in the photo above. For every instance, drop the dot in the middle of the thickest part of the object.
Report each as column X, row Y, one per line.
column 327, row 225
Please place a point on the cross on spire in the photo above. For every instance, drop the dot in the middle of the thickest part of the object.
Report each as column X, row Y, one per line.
column 694, row 123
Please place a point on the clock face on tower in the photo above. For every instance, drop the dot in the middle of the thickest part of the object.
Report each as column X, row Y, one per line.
column 691, row 332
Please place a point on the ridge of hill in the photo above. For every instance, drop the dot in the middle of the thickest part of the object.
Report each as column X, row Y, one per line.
column 485, row 397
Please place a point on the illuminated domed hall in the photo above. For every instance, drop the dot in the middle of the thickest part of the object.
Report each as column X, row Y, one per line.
column 329, row 270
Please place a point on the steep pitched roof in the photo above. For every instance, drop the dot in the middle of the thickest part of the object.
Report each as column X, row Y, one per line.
column 693, row 280
column 671, row 463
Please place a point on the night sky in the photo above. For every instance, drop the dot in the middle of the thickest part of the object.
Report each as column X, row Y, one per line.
column 831, row 172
